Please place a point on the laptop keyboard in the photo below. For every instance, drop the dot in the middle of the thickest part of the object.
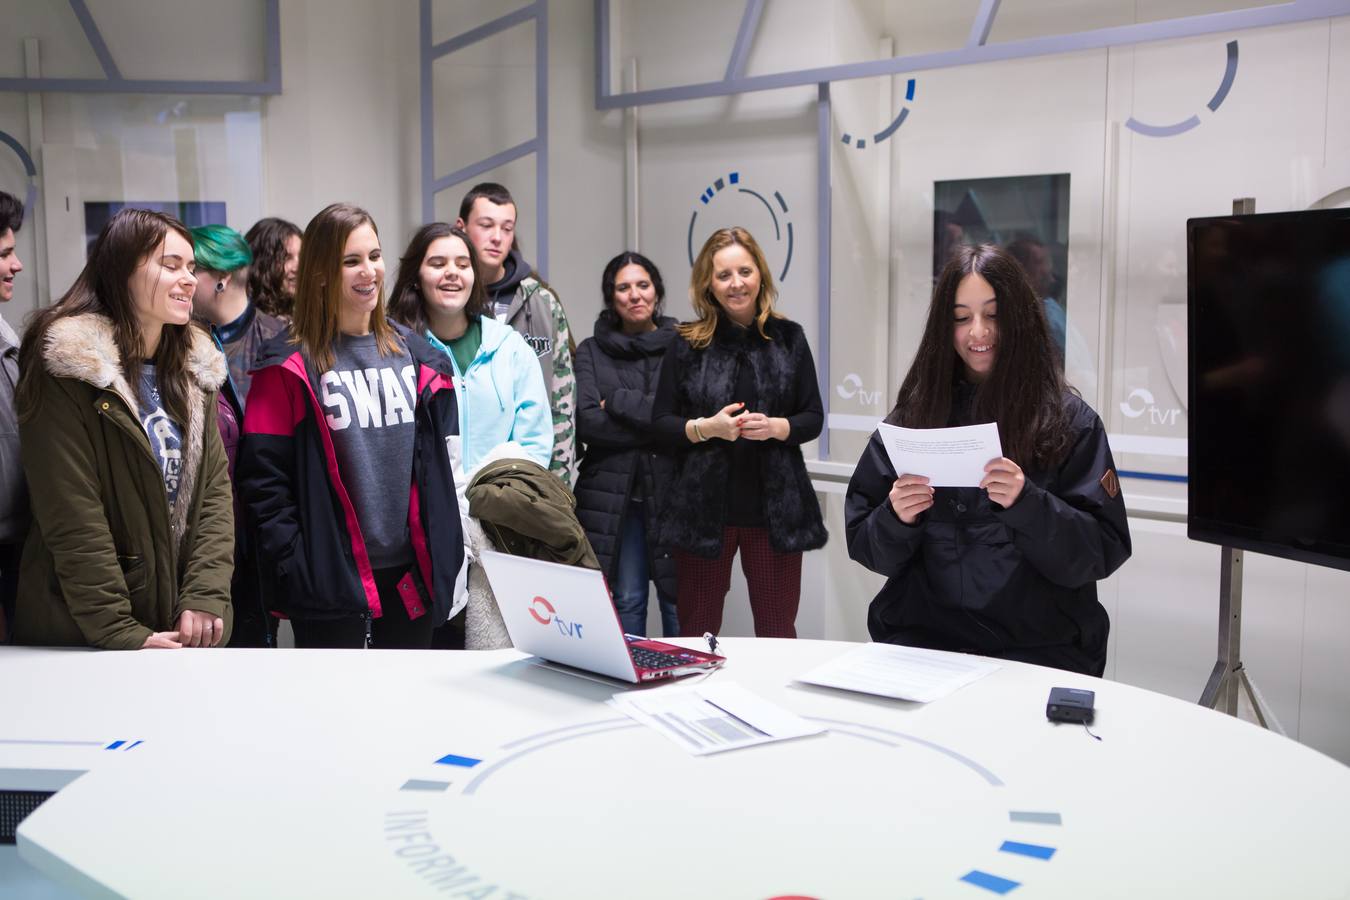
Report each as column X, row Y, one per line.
column 655, row 659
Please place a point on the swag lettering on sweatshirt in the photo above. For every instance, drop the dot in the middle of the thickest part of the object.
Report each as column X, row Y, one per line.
column 368, row 398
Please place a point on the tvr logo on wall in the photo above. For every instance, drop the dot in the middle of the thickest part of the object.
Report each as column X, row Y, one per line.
column 852, row 387
column 544, row 613
column 1140, row 401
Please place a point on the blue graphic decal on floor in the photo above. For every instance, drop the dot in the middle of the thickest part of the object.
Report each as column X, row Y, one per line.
column 1035, row 851
column 990, row 882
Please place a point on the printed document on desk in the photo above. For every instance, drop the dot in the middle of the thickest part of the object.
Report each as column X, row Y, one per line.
column 948, row 457
column 903, row 673
column 707, row 719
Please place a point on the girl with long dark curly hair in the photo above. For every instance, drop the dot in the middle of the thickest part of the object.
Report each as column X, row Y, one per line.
column 1008, row 568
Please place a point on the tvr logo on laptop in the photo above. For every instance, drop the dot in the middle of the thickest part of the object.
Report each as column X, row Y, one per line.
column 544, row 613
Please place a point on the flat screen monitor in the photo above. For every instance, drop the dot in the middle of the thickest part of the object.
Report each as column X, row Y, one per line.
column 1269, row 405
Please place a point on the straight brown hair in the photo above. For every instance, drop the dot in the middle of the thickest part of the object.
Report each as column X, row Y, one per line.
column 104, row 287
column 318, row 289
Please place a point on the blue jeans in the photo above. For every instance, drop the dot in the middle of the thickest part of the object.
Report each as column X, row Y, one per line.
column 632, row 575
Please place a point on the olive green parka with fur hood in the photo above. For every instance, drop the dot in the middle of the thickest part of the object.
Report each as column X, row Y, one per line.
column 108, row 561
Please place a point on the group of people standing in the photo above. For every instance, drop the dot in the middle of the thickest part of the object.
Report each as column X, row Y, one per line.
column 693, row 439
column 219, row 429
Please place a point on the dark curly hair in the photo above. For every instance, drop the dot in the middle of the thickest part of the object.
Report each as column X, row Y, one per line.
column 267, row 276
column 11, row 213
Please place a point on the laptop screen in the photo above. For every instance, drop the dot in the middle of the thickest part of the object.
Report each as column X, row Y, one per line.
column 561, row 613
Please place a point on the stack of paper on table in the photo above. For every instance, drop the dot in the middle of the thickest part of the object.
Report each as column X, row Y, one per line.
column 710, row 718
column 904, row 673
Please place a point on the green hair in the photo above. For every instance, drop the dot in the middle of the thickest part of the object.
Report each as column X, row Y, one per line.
column 220, row 248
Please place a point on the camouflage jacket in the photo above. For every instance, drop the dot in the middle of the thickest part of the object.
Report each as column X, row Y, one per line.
column 538, row 315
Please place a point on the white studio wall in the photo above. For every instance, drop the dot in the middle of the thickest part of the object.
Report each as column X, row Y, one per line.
column 96, row 148
column 346, row 126
column 485, row 103
column 16, row 180
column 333, row 134
column 1274, row 138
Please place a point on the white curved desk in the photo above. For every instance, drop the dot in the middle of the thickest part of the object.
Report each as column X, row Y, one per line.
column 437, row 774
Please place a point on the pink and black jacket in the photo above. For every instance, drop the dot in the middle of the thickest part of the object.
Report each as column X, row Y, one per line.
column 311, row 552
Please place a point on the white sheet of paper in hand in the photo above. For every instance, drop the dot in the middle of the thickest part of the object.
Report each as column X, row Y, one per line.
column 905, row 673
column 948, row 457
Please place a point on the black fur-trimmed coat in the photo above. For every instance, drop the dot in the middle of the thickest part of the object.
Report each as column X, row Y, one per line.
column 698, row 383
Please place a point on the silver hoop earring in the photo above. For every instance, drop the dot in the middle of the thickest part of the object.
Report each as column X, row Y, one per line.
column 220, row 287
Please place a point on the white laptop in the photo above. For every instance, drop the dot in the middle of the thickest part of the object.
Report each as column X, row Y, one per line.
column 564, row 614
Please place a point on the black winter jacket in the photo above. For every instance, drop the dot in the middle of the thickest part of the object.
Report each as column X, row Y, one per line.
column 622, row 454
column 1019, row 583
column 307, row 535
column 699, row 383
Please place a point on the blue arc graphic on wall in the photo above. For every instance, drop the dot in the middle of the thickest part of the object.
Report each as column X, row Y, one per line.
column 883, row 134
column 28, row 167
column 781, row 231
column 1185, row 125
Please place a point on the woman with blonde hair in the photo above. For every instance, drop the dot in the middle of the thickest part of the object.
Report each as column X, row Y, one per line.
column 343, row 467
column 737, row 398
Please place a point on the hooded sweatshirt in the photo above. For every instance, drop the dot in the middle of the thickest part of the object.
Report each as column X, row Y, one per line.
column 502, row 398
column 534, row 311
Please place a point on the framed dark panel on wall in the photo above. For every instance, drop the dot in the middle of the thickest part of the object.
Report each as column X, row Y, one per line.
column 190, row 213
column 1028, row 215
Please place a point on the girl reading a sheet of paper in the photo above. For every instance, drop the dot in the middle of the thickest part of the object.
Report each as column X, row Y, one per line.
column 1009, row 568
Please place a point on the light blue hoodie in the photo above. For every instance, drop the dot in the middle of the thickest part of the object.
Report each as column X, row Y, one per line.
column 501, row 397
